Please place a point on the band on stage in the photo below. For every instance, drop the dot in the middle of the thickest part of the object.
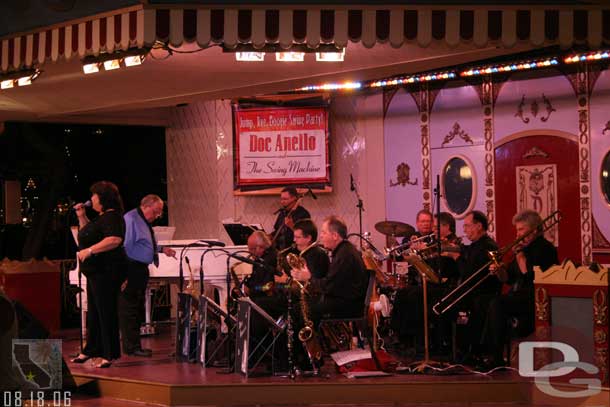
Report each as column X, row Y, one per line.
column 475, row 291
column 469, row 297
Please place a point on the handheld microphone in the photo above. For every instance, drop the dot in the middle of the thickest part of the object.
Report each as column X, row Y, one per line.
column 86, row 204
column 212, row 243
column 352, row 187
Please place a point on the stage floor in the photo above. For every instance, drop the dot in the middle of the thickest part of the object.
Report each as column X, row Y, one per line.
column 161, row 380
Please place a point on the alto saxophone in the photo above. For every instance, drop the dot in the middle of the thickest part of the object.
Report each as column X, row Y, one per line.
column 307, row 334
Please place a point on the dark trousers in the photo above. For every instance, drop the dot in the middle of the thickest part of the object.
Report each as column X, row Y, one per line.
column 102, row 317
column 131, row 306
column 519, row 304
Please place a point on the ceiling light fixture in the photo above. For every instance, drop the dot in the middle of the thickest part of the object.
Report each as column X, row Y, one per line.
column 19, row 78
column 330, row 56
column 290, row 56
column 115, row 60
column 250, row 56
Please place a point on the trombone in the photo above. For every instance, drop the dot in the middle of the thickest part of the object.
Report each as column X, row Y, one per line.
column 469, row 285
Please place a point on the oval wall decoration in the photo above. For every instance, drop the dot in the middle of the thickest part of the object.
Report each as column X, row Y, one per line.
column 604, row 177
column 458, row 186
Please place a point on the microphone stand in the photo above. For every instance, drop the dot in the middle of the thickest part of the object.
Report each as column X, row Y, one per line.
column 420, row 367
column 360, row 207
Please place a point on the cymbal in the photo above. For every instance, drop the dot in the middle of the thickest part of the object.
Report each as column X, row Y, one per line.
column 394, row 228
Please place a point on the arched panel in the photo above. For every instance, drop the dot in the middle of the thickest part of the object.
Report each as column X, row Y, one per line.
column 456, row 129
column 402, row 158
column 535, row 104
column 539, row 172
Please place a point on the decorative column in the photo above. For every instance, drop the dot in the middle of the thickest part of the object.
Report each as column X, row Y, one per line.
column 584, row 161
column 424, row 118
column 487, row 88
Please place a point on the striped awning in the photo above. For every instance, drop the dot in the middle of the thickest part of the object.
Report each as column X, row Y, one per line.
column 312, row 27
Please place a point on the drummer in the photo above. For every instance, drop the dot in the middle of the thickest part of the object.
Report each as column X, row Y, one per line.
column 423, row 227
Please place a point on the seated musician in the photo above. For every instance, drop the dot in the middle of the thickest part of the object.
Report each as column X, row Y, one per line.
column 407, row 314
column 260, row 282
column 344, row 286
column 316, row 258
column 534, row 250
column 473, row 258
column 316, row 265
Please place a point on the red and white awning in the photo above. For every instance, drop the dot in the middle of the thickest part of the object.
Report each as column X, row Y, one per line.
column 285, row 27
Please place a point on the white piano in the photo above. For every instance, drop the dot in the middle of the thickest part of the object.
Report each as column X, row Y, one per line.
column 214, row 267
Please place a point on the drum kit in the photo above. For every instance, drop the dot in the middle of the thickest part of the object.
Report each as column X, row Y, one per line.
column 397, row 276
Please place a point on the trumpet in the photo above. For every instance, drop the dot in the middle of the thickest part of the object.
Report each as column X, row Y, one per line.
column 401, row 248
column 495, row 257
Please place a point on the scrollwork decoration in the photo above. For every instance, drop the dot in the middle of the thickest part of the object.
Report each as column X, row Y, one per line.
column 403, row 176
column 456, row 131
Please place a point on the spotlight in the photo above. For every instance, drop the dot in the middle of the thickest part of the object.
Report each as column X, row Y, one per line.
column 112, row 64
column 330, row 56
column 91, row 68
column 7, row 84
column 115, row 60
column 250, row 56
column 134, row 60
column 290, row 56
column 19, row 78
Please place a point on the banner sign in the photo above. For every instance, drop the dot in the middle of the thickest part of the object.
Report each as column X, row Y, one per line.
column 277, row 146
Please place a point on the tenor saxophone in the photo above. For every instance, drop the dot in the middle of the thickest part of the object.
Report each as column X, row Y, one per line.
column 307, row 334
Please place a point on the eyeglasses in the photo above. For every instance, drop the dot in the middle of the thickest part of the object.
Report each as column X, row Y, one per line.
column 158, row 212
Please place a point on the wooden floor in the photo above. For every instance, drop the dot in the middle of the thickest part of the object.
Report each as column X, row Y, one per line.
column 160, row 380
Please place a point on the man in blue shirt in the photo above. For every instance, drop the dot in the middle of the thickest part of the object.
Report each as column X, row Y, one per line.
column 142, row 250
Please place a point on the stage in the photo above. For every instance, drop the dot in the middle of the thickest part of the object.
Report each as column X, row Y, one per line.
column 161, row 380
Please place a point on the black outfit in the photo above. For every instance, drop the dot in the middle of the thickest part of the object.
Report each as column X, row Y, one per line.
column 285, row 236
column 344, row 287
column 408, row 311
column 472, row 258
column 262, row 275
column 519, row 301
column 105, row 272
column 318, row 263
column 132, row 298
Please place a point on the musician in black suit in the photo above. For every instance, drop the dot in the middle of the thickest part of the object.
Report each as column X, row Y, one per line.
column 344, row 286
column 518, row 302
column 407, row 314
column 473, row 258
column 290, row 212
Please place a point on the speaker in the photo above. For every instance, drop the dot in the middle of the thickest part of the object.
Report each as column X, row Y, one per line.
column 11, row 201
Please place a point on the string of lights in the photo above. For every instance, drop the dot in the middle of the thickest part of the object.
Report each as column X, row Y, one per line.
column 491, row 69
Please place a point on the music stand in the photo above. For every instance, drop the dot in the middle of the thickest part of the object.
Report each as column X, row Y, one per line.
column 183, row 327
column 426, row 274
column 207, row 304
column 239, row 232
column 242, row 337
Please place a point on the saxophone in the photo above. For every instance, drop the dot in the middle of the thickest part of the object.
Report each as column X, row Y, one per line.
column 307, row 334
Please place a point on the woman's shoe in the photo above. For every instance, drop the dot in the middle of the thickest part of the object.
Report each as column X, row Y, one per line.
column 105, row 364
column 80, row 358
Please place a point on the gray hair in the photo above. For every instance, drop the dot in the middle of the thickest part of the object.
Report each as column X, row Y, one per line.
column 529, row 217
column 261, row 238
column 150, row 200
